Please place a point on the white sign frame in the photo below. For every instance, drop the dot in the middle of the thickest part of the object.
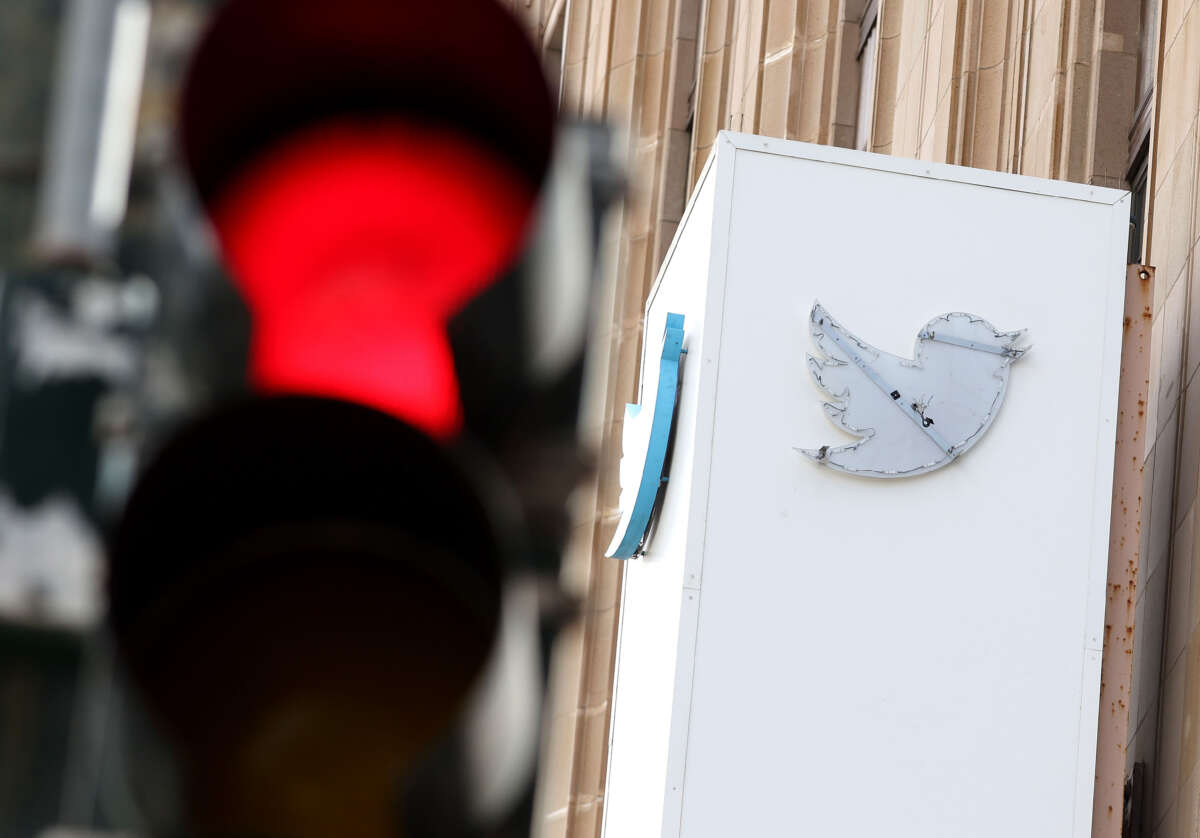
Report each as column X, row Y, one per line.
column 680, row 711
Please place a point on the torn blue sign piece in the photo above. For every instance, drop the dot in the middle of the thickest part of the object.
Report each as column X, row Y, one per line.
column 644, row 441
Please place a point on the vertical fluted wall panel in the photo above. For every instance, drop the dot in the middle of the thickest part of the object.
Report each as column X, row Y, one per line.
column 712, row 80
column 1039, row 87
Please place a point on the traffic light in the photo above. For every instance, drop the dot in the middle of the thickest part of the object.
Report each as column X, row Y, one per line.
column 329, row 591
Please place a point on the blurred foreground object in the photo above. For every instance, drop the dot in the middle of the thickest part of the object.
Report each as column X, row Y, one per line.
column 89, row 152
column 69, row 327
column 329, row 592
column 331, row 468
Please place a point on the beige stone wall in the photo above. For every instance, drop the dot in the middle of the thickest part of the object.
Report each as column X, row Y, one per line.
column 1039, row 87
column 631, row 63
column 1009, row 86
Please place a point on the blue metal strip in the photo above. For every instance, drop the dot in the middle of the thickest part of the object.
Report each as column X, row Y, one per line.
column 660, row 435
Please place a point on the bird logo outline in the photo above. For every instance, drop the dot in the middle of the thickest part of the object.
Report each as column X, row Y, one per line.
column 911, row 415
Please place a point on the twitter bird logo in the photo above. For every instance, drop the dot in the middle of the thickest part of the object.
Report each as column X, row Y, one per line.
column 911, row 416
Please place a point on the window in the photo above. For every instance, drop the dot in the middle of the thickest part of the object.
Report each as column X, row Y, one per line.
column 1147, row 48
column 868, row 42
column 1137, row 203
column 1139, row 135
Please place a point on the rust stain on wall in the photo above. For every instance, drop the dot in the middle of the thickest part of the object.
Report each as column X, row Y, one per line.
column 1116, row 673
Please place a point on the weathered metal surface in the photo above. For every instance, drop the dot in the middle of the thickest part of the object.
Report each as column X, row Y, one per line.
column 911, row 415
column 1116, row 671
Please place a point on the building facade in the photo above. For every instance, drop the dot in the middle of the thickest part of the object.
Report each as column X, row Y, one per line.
column 1105, row 92
column 1092, row 91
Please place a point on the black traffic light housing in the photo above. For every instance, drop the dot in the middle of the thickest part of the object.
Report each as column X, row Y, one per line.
column 325, row 603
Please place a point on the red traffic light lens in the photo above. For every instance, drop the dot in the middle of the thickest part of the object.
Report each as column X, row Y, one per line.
column 354, row 241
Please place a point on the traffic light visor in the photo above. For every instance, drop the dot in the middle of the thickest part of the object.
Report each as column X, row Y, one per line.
column 266, row 68
column 372, row 168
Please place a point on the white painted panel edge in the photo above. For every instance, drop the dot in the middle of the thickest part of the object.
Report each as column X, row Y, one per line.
column 723, row 160
column 686, row 645
column 926, row 169
column 1089, row 720
column 612, row 707
column 720, row 171
column 1102, row 482
column 681, row 713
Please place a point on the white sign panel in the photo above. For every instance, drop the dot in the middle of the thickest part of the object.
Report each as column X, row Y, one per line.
column 806, row 650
